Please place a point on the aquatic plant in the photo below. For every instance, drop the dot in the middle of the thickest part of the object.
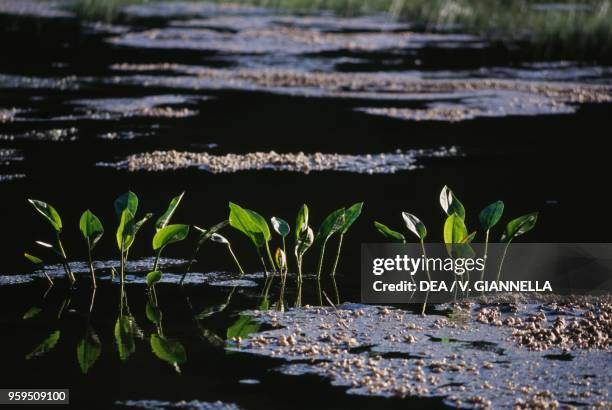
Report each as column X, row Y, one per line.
column 52, row 216
column 165, row 236
column 37, row 261
column 92, row 231
column 389, row 233
column 255, row 227
column 218, row 238
column 489, row 217
column 514, row 229
column 418, row 228
column 280, row 258
column 204, row 235
column 304, row 238
column 282, row 228
column 330, row 225
column 126, row 207
column 350, row 216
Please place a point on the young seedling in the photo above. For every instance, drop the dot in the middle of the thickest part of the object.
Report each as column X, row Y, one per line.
column 350, row 217
column 514, row 229
column 282, row 228
column 418, row 228
column 255, row 227
column 281, row 263
column 167, row 235
column 203, row 236
column 126, row 207
column 164, row 220
column 330, row 225
column 489, row 217
column 54, row 219
column 304, row 238
column 451, row 204
column 223, row 240
column 152, row 278
column 37, row 261
column 92, row 231
column 389, row 233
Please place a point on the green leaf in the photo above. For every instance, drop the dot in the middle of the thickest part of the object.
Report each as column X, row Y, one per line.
column 351, row 216
column 218, row 238
column 164, row 220
column 280, row 226
column 211, row 310
column 91, row 228
column 45, row 346
column 468, row 239
column 128, row 201
column 242, row 328
column 171, row 351
column 415, row 225
column 153, row 313
column 454, row 229
column 206, row 234
column 330, row 225
column 389, row 233
column 88, row 350
column 304, row 242
column 35, row 260
column 451, row 204
column 301, row 222
column 48, row 212
column 490, row 216
column 125, row 229
column 520, row 226
column 250, row 223
column 170, row 234
column 125, row 331
column 31, row 312
column 153, row 277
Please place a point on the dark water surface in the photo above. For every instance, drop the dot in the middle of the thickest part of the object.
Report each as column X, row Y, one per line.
column 61, row 84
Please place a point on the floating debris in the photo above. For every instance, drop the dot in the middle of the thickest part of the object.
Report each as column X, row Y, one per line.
column 387, row 352
column 300, row 162
column 158, row 106
column 52, row 135
column 8, row 114
column 190, row 405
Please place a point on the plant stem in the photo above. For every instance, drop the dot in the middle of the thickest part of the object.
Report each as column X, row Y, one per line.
column 333, row 273
column 428, row 277
column 157, row 259
column 501, row 263
column 122, row 265
column 270, row 257
column 91, row 269
column 229, row 248
column 337, row 293
column 320, row 264
column 486, row 253
column 69, row 273
column 298, row 299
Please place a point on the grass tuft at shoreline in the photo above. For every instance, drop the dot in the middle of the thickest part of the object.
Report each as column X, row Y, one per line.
column 580, row 29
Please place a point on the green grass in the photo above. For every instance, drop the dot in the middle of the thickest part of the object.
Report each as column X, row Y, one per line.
column 574, row 34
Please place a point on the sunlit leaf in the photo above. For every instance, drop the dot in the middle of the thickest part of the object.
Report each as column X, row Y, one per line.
column 170, row 234
column 48, row 212
column 35, row 260
column 128, row 201
column 301, row 222
column 350, row 216
column 389, row 233
column 250, row 223
column 91, row 228
column 166, row 216
column 330, row 225
column 304, row 242
column 414, row 225
column 450, row 204
column 153, row 313
column 242, row 328
column 280, row 226
column 520, row 226
column 454, row 229
column 153, row 277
